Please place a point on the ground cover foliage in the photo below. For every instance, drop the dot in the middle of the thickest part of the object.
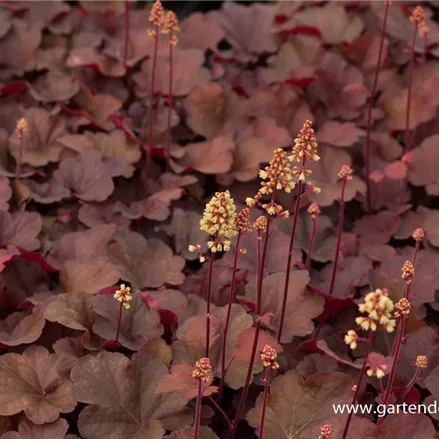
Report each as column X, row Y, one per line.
column 218, row 226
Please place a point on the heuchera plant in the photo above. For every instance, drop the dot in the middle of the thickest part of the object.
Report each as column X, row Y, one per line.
column 220, row 225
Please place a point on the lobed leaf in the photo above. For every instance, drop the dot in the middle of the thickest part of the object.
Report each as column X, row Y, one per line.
column 297, row 408
column 301, row 308
column 30, row 382
column 128, row 407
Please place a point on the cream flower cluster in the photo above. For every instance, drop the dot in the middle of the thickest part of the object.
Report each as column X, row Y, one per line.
column 123, row 295
column 167, row 22
column 325, row 431
column 305, row 145
column 379, row 307
column 202, row 370
column 314, row 210
column 278, row 177
column 243, row 221
column 351, row 339
column 418, row 17
column 219, row 221
column 346, row 172
column 305, row 149
column 269, row 357
column 421, row 362
column 378, row 371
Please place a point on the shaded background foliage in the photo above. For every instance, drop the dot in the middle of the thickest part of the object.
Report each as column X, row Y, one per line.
column 186, row 7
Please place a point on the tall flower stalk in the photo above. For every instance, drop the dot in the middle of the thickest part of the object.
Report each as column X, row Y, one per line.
column 261, row 226
column 208, row 304
column 242, row 226
column 170, row 26
column 378, row 307
column 124, row 296
column 156, row 17
column 219, row 221
column 420, row 363
column 419, row 27
column 345, row 175
column 403, row 308
column 304, row 150
column 424, row 51
column 359, row 382
column 21, row 129
column 369, row 110
column 314, row 212
column 417, row 18
column 268, row 357
column 203, row 373
column 277, row 176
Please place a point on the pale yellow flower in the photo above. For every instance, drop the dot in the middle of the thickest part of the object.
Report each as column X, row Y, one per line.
column 351, row 339
column 269, row 357
column 202, row 370
column 219, row 221
column 123, row 295
column 421, row 362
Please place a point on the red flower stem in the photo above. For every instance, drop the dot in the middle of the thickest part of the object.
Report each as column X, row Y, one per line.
column 424, row 56
column 408, row 288
column 289, row 261
column 126, row 37
column 260, row 275
column 415, row 253
column 168, row 132
column 273, row 227
column 151, row 99
column 408, row 134
column 399, row 336
column 230, row 363
column 119, row 322
column 410, row 385
column 261, row 269
column 339, row 233
column 20, row 157
column 359, row 382
column 264, row 404
column 260, row 278
column 226, row 326
column 198, row 410
column 396, row 350
column 220, row 410
column 209, row 291
column 315, row 290
column 235, row 422
column 369, row 110
column 311, row 243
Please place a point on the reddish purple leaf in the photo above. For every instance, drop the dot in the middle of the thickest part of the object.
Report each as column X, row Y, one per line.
column 139, row 324
column 31, row 383
column 145, row 263
column 144, row 412
column 40, row 145
column 22, row 327
column 81, row 246
column 28, row 430
column 88, row 176
column 301, row 307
